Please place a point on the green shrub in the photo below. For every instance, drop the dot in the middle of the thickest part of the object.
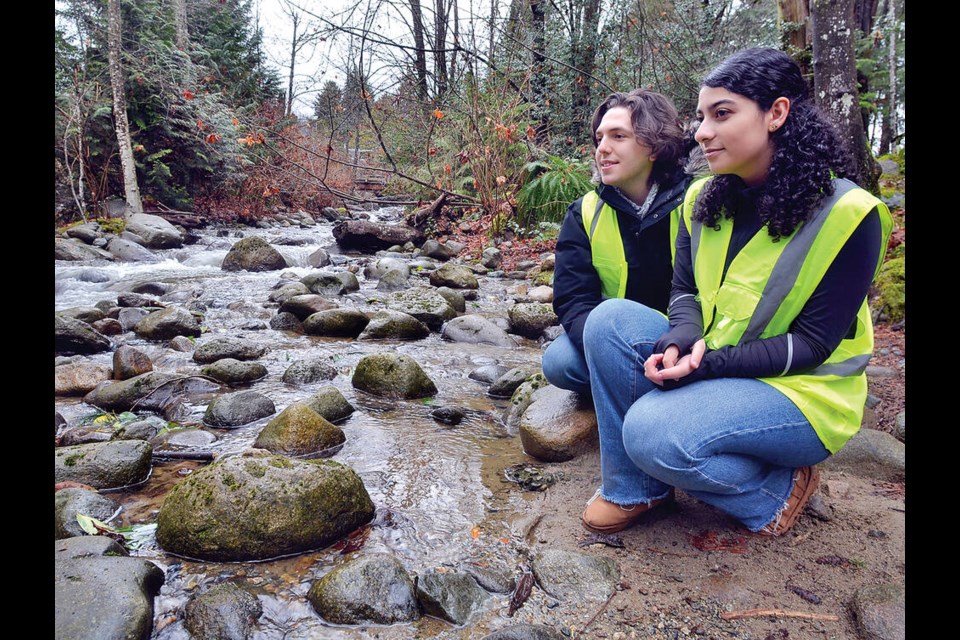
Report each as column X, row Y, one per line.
column 551, row 185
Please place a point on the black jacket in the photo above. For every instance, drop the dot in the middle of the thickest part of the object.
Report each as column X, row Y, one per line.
column 576, row 285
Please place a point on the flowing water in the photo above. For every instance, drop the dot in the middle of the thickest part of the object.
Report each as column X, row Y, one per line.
column 439, row 490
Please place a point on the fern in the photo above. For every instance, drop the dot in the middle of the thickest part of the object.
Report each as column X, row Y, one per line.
column 552, row 184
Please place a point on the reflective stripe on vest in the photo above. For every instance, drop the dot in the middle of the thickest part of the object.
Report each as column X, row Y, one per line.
column 765, row 288
column 606, row 246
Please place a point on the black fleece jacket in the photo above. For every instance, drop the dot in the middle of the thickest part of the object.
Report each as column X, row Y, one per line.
column 576, row 285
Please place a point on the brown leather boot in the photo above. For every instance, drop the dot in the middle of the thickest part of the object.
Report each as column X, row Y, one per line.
column 805, row 483
column 605, row 517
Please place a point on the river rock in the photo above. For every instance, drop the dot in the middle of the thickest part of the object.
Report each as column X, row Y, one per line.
column 492, row 258
column 392, row 375
column 309, row 370
column 182, row 344
column 531, row 318
column 108, row 327
column 394, row 325
column 555, row 427
column 870, row 454
column 151, row 288
column 349, row 280
column 488, row 373
column 455, row 276
column 121, row 395
column 436, row 250
column 156, row 232
column 237, row 409
column 330, row 404
column 900, row 426
column 424, row 304
column 476, row 329
column 448, row 415
column 166, row 323
column 75, row 251
column 369, row 588
column 576, row 577
column 299, row 431
column 253, row 253
column 104, row 465
column 336, row 322
column 145, row 429
column 219, row 348
column 187, row 438
column 132, row 299
column 393, row 280
column 376, row 270
column 84, row 435
column 525, row 632
column 521, row 398
column 233, row 371
column 84, row 314
column 889, row 167
column 456, row 298
column 104, row 597
column 85, row 546
column 306, row 305
column 324, row 283
column 86, row 232
column 224, row 611
column 286, row 291
column 495, row 578
column 542, row 294
column 286, row 321
column 129, row 317
column 130, row 362
column 75, row 336
column 127, row 251
column 880, row 612
column 259, row 507
column 452, row 596
column 67, row 503
column 79, row 378
column 367, row 236
column 505, row 385
column 319, row 258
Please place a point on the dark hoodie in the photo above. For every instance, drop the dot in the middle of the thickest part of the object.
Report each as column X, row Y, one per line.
column 576, row 285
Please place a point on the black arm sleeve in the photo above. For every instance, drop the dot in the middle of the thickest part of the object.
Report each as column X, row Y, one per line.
column 824, row 321
column 686, row 316
column 576, row 285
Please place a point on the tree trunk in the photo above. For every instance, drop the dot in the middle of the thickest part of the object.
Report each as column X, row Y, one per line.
column 795, row 38
column 130, row 187
column 538, row 79
column 420, row 61
column 293, row 61
column 493, row 21
column 835, row 82
column 586, row 55
column 888, row 125
column 180, row 23
column 440, row 43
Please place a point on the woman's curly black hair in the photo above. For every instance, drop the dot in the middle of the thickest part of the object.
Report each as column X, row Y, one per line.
column 805, row 149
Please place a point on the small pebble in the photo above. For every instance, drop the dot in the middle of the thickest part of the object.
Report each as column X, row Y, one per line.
column 876, row 533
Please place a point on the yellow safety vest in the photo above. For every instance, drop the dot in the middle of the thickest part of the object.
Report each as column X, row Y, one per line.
column 606, row 245
column 766, row 286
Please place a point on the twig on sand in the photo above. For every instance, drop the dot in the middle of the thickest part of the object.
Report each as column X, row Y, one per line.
column 780, row 613
column 671, row 553
column 599, row 611
column 799, row 539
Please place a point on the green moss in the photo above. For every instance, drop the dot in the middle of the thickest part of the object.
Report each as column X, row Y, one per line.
column 280, row 462
column 230, row 481
column 112, row 225
column 891, row 290
column 73, row 459
column 255, row 469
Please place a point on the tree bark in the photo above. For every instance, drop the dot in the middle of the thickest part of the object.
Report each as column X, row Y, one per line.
column 439, row 44
column 117, row 78
column 293, row 60
column 795, row 37
column 538, row 79
column 585, row 57
column 888, row 125
column 835, row 82
column 180, row 23
column 420, row 59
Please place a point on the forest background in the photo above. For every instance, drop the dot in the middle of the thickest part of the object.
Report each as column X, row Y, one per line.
column 480, row 106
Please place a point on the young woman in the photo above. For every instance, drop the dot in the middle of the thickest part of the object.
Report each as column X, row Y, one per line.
column 617, row 241
column 759, row 373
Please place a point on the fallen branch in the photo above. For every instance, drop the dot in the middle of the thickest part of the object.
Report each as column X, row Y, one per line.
column 599, row 611
column 779, row 613
column 186, row 455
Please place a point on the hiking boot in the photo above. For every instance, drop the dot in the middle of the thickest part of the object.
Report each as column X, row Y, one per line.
column 605, row 517
column 805, row 483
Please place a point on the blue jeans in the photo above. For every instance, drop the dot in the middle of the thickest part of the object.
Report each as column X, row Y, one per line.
column 565, row 367
column 733, row 443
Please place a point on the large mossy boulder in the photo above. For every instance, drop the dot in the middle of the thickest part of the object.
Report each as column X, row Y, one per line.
column 531, row 318
column 225, row 611
column 455, row 276
column 330, row 404
column 392, row 375
column 394, row 325
column 299, row 431
column 891, row 290
column 167, row 323
column 104, row 465
column 424, row 304
column 370, row 588
column 237, row 409
column 121, row 395
column 259, row 507
column 253, row 254
column 156, row 232
column 226, row 347
column 336, row 322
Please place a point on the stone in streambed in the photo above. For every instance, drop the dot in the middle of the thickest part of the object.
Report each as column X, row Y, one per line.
column 424, row 304
column 448, row 415
column 104, row 465
column 505, row 385
column 336, row 322
column 576, row 577
column 253, row 254
column 67, row 503
column 488, row 373
column 369, row 588
column 287, row 291
column 121, row 396
column 157, row 233
column 219, row 348
column 237, row 409
column 75, row 336
column 324, row 283
column 299, row 431
column 84, row 314
column 130, row 362
column 870, row 454
column 394, row 280
column 454, row 276
column 262, row 506
column 234, row 371
column 880, row 612
column 167, row 323
column 452, row 596
column 394, row 325
column 108, row 327
column 128, row 317
column 79, row 378
column 525, row 632
column 476, row 329
column 286, row 321
column 391, row 375
column 306, row 305
column 521, row 399
column 330, row 404
column 85, row 546
column 224, row 611
column 555, row 427
column 73, row 250
column 531, row 318
column 129, row 251
column 496, row 578
column 309, row 370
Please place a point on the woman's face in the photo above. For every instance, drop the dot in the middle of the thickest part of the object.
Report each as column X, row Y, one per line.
column 734, row 134
column 624, row 162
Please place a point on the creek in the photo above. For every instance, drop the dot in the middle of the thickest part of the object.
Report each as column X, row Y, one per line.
column 439, row 491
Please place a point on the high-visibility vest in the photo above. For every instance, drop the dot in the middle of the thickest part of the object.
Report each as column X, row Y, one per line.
column 766, row 286
column 606, row 245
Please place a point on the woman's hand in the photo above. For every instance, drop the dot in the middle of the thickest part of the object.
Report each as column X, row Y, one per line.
column 669, row 366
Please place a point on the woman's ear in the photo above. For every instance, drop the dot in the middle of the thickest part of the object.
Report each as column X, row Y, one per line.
column 778, row 113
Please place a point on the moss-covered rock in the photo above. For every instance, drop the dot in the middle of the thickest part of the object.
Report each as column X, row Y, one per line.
column 424, row 304
column 224, row 611
column 167, row 323
column 336, row 322
column 120, row 396
column 370, row 588
column 104, row 465
column 234, row 371
column 330, row 404
column 297, row 431
column 455, row 276
column 253, row 254
column 238, row 409
column 890, row 285
column 394, row 325
column 531, row 318
column 258, row 507
column 220, row 348
column 392, row 376
column 76, row 336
